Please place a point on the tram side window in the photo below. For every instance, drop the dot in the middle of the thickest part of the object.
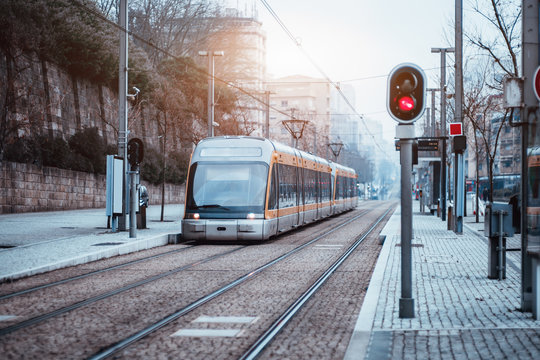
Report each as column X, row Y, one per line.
column 272, row 200
column 325, row 186
column 287, row 186
column 339, row 188
column 310, row 187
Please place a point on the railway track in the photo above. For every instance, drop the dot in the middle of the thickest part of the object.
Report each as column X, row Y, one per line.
column 118, row 346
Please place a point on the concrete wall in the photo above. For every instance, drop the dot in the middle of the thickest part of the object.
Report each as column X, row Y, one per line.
column 28, row 188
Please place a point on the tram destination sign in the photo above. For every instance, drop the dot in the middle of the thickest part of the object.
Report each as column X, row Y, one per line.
column 428, row 145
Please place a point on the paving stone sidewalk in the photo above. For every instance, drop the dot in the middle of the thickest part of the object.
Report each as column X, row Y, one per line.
column 459, row 312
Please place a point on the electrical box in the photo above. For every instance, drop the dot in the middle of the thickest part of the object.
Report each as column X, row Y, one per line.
column 114, row 185
column 493, row 219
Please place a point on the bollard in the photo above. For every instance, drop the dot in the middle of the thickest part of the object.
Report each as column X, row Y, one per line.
column 449, row 219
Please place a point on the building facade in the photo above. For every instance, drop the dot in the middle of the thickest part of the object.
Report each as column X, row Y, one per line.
column 302, row 98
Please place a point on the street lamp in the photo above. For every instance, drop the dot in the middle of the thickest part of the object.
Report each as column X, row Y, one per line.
column 211, row 55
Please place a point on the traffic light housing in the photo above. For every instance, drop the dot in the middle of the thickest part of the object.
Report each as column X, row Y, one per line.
column 405, row 96
column 135, row 151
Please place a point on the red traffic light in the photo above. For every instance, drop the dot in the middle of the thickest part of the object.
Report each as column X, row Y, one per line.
column 405, row 93
column 406, row 103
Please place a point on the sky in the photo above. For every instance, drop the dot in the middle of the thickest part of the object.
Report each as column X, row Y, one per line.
column 358, row 42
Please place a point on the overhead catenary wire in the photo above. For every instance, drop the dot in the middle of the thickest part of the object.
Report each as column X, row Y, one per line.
column 321, row 71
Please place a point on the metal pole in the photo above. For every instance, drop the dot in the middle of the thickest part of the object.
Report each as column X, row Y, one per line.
column 500, row 268
column 267, row 127
column 460, row 173
column 444, row 191
column 123, row 109
column 133, row 207
column 211, row 94
column 529, row 58
column 433, row 131
column 406, row 302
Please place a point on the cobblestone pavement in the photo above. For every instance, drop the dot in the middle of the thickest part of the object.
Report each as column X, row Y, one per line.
column 459, row 312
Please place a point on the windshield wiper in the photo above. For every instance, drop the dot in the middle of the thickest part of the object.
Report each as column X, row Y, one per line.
column 211, row 206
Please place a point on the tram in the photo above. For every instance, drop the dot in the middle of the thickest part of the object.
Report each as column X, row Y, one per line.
column 251, row 188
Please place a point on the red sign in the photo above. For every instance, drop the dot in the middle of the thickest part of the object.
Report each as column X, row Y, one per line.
column 536, row 83
column 456, row 129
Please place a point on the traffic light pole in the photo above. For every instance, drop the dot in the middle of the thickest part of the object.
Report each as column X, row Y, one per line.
column 405, row 134
column 133, row 207
column 123, row 109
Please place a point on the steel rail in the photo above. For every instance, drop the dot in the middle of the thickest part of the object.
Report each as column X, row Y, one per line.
column 122, row 344
column 40, row 318
column 95, row 272
column 255, row 350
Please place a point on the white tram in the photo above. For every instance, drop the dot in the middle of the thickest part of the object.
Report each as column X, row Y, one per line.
column 251, row 188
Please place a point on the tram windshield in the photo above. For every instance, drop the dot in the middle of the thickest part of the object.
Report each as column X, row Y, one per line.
column 227, row 188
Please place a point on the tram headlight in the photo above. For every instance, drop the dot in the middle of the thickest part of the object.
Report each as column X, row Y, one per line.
column 251, row 216
column 196, row 216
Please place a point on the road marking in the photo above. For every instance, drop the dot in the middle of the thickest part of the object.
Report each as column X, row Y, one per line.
column 207, row 332
column 226, row 319
column 7, row 317
column 328, row 246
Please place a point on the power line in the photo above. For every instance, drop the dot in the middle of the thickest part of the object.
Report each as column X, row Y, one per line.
column 312, row 61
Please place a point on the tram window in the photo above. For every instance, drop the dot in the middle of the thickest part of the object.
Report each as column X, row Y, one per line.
column 287, row 186
column 229, row 185
column 325, row 186
column 310, row 187
column 272, row 201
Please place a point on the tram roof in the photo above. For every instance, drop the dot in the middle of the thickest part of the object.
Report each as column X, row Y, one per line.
column 277, row 146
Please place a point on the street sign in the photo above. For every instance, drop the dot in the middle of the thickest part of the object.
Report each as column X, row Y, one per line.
column 455, row 129
column 428, row 145
column 536, row 83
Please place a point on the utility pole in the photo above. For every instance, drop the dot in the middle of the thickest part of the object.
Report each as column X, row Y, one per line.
column 267, row 125
column 530, row 292
column 443, row 52
column 459, row 178
column 211, row 105
column 123, row 109
column 433, row 127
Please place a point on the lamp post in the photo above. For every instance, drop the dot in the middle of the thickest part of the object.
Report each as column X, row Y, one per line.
column 211, row 55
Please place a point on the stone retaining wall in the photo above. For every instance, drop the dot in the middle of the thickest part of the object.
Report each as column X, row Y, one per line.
column 29, row 188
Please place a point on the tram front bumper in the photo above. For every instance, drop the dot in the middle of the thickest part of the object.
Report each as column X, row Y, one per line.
column 222, row 229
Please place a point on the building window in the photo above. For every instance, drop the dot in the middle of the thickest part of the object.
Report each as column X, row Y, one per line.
column 284, row 103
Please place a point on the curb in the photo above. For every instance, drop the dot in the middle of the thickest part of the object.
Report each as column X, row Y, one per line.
column 130, row 247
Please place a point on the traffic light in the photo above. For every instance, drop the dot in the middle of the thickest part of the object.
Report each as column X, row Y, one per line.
column 405, row 96
column 135, row 151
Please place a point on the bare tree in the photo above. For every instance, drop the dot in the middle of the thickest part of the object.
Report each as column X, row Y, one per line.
column 171, row 26
column 501, row 43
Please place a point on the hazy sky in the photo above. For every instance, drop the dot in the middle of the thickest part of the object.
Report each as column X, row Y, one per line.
column 359, row 39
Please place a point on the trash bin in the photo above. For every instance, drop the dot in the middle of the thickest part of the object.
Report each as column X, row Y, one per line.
column 143, row 204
